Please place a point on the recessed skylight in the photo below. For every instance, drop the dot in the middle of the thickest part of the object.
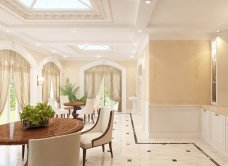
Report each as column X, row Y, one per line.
column 57, row 4
column 88, row 47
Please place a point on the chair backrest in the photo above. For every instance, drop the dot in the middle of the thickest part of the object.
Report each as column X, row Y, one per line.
column 89, row 107
column 104, row 125
column 55, row 151
column 52, row 104
column 63, row 99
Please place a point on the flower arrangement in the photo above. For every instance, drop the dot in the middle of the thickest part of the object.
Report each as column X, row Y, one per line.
column 36, row 116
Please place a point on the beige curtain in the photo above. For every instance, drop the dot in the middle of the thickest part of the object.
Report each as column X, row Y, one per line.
column 93, row 78
column 21, row 76
column 5, row 68
column 112, row 81
column 51, row 74
column 12, row 61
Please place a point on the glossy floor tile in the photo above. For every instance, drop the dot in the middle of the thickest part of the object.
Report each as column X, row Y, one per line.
column 131, row 147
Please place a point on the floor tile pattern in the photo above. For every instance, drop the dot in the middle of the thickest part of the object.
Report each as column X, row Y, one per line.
column 132, row 148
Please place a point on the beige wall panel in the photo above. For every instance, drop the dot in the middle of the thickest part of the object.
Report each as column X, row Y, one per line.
column 179, row 72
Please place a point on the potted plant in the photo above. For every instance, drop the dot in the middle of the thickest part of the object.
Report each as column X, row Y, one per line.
column 36, row 116
column 70, row 90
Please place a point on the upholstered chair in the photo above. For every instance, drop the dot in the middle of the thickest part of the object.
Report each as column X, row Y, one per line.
column 100, row 134
column 88, row 110
column 55, row 151
column 58, row 111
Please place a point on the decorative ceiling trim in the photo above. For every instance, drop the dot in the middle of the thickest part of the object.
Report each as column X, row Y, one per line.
column 99, row 13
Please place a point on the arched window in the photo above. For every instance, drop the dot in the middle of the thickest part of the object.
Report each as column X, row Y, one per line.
column 15, row 82
column 104, row 81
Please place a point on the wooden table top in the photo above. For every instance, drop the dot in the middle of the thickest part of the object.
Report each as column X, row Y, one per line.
column 74, row 103
column 14, row 134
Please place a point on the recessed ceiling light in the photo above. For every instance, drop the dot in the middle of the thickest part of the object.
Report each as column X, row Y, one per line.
column 7, row 31
column 64, row 56
column 53, row 51
column 139, row 30
column 98, row 56
column 148, row 2
column 38, row 44
column 73, row 31
column 218, row 31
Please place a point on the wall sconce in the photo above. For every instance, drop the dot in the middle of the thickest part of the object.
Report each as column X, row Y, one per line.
column 40, row 80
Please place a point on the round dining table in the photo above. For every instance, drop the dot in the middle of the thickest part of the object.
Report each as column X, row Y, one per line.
column 76, row 105
column 14, row 133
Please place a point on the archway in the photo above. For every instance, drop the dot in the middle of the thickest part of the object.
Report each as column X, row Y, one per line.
column 109, row 63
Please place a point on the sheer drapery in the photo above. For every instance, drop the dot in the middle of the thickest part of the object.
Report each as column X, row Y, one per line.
column 93, row 78
column 4, row 77
column 12, row 61
column 51, row 75
column 112, row 82
column 21, row 77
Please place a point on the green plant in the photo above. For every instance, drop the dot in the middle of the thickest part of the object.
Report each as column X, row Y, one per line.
column 70, row 90
column 37, row 114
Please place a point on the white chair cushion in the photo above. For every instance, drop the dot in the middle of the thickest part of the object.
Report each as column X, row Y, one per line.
column 86, row 139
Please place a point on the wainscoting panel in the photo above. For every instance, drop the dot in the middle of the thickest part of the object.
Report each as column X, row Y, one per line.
column 174, row 121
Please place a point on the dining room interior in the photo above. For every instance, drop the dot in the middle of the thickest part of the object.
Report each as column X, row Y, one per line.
column 113, row 82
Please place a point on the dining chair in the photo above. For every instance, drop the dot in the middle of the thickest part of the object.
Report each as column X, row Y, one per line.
column 88, row 110
column 58, row 111
column 55, row 151
column 100, row 134
column 64, row 99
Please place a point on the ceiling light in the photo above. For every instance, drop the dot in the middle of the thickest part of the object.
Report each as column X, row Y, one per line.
column 98, row 56
column 38, row 44
column 148, row 2
column 73, row 31
column 64, row 56
column 135, row 44
column 218, row 31
column 7, row 31
column 139, row 30
column 53, row 51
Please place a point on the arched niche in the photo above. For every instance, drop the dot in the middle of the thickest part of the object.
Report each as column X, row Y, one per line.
column 109, row 63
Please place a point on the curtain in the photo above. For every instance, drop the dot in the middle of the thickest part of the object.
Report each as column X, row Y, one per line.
column 112, row 81
column 4, row 77
column 11, row 61
column 21, row 77
column 51, row 75
column 93, row 79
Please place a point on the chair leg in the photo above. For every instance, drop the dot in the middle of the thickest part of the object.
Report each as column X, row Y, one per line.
column 103, row 148
column 92, row 117
column 84, row 156
column 23, row 152
column 110, row 147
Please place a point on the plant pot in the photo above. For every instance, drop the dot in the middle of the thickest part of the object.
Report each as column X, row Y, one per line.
column 29, row 125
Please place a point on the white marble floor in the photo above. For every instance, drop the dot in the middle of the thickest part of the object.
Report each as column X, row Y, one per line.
column 128, row 151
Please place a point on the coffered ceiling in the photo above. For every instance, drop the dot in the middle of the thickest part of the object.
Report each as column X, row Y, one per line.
column 121, row 25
